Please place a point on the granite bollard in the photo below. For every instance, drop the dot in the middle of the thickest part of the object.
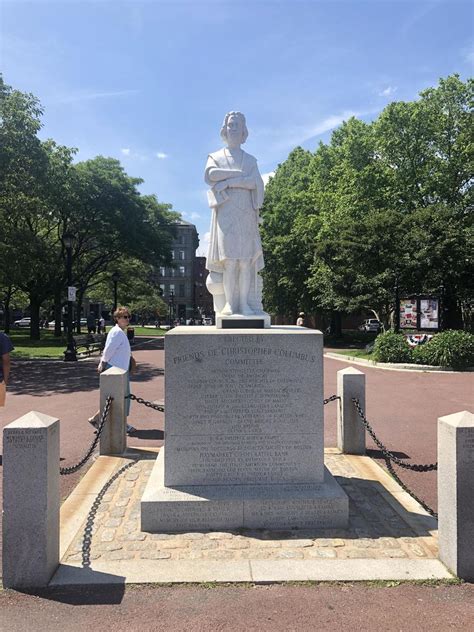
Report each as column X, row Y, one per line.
column 350, row 430
column 455, row 493
column 30, row 501
column 113, row 439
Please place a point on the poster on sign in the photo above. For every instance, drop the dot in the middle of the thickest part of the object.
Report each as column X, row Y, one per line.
column 408, row 313
column 429, row 313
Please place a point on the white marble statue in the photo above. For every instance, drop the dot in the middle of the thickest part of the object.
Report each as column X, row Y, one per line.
column 235, row 253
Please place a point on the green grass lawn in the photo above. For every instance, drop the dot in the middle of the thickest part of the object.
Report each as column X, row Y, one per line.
column 47, row 347
column 51, row 347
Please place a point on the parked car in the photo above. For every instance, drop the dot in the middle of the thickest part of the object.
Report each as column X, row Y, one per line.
column 23, row 322
column 371, row 324
column 207, row 321
column 83, row 323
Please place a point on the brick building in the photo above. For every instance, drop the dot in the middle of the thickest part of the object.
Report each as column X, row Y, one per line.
column 177, row 280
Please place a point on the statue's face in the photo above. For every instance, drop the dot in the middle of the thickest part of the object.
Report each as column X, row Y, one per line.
column 234, row 131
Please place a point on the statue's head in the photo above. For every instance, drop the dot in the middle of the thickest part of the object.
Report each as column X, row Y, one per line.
column 234, row 129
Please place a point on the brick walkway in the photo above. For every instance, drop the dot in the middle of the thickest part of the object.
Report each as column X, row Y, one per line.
column 384, row 524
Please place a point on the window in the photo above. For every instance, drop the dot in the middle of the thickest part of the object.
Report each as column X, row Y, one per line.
column 181, row 271
column 162, row 288
column 171, row 272
column 181, row 255
column 181, row 290
column 162, row 271
column 172, row 254
column 171, row 288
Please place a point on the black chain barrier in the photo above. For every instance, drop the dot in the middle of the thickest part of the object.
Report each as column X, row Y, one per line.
column 103, row 418
column 387, row 454
column 330, row 399
column 146, row 403
column 87, row 537
column 407, row 489
column 389, row 457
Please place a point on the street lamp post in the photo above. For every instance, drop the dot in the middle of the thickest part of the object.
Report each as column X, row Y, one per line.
column 115, row 279
column 70, row 353
column 170, row 307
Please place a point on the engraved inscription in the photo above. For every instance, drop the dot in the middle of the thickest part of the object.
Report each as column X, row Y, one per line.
column 467, row 447
column 24, row 438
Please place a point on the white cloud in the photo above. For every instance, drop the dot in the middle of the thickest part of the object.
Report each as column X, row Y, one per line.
column 192, row 215
column 388, row 91
column 266, row 177
column 203, row 245
column 161, row 155
column 85, row 95
column 125, row 151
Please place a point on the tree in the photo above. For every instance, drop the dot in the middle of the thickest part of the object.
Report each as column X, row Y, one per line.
column 286, row 262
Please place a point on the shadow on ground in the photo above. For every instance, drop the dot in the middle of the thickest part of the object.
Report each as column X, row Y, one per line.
column 40, row 378
column 86, row 594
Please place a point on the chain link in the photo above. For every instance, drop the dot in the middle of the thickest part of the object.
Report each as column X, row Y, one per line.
column 389, row 457
column 387, row 454
column 103, row 418
column 330, row 399
column 146, row 403
column 87, row 538
column 407, row 489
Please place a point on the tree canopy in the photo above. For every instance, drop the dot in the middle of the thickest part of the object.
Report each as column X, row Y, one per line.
column 382, row 201
column 45, row 194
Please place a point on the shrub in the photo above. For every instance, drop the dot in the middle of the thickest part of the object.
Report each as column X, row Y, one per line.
column 449, row 348
column 391, row 347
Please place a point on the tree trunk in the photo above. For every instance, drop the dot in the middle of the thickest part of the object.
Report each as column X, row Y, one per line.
column 57, row 314
column 336, row 324
column 35, row 305
column 7, row 314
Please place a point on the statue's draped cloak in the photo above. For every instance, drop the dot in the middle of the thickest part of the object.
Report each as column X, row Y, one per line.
column 234, row 221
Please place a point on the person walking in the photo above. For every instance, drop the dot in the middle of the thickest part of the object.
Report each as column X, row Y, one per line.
column 300, row 320
column 91, row 323
column 117, row 352
column 6, row 346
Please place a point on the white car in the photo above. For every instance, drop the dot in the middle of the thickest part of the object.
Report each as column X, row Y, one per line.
column 23, row 322
column 372, row 325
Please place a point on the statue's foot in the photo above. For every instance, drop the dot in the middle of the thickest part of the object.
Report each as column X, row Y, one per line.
column 227, row 310
column 246, row 310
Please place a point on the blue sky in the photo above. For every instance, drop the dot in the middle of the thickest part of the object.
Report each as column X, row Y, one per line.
column 149, row 82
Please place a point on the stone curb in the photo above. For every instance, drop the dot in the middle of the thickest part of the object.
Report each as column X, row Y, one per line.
column 420, row 368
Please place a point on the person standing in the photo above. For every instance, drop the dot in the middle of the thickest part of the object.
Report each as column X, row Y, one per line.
column 91, row 323
column 117, row 352
column 300, row 320
column 6, row 346
column 101, row 325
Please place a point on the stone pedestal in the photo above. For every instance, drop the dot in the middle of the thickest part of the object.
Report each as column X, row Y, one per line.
column 243, row 433
column 455, row 493
column 30, row 501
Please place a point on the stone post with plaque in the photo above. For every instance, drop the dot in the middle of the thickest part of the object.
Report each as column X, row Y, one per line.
column 455, row 493
column 30, row 501
column 244, row 444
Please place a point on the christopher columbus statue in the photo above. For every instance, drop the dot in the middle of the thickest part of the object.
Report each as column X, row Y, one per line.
column 235, row 253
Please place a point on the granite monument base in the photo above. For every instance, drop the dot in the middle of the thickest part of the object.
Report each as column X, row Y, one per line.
column 217, row 507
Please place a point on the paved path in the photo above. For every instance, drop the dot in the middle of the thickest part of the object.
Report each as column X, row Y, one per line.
column 275, row 608
column 402, row 406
